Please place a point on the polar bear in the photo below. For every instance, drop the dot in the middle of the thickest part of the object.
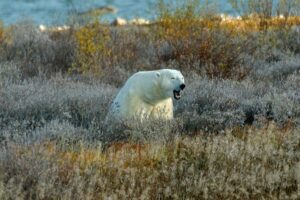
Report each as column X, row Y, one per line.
column 148, row 94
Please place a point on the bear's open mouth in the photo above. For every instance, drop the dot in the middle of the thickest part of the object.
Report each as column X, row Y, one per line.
column 177, row 94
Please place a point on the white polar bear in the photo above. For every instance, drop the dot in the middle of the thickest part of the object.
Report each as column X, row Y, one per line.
column 148, row 94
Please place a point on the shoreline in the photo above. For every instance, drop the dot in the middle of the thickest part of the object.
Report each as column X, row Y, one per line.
column 223, row 19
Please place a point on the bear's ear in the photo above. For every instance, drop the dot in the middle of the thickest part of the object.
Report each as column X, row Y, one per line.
column 157, row 74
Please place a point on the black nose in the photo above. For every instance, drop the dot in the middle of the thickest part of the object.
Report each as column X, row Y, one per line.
column 182, row 86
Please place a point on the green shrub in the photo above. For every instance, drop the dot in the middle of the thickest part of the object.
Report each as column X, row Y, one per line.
column 93, row 52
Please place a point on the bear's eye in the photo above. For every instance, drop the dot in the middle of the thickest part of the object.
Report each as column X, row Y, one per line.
column 173, row 78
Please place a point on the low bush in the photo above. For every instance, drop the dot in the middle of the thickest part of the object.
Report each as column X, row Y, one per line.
column 240, row 164
column 216, row 46
column 210, row 105
column 92, row 52
column 36, row 52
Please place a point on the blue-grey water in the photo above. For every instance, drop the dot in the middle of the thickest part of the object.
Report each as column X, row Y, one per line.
column 55, row 12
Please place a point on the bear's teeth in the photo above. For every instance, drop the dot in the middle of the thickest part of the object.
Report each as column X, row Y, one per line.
column 177, row 94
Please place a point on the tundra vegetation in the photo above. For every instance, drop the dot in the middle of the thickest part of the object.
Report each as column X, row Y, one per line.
column 235, row 135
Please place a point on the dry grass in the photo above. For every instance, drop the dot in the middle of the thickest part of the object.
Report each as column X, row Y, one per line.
column 206, row 46
column 216, row 46
column 54, row 144
column 244, row 163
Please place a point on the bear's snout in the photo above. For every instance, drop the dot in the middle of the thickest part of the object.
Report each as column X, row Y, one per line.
column 182, row 86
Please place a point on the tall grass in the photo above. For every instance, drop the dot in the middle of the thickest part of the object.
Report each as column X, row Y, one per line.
column 240, row 164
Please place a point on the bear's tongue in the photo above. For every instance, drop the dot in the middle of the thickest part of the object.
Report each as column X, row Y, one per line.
column 176, row 94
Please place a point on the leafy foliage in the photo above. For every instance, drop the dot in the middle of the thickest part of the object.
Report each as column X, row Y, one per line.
column 92, row 50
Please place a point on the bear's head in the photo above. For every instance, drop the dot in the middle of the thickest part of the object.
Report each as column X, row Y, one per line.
column 171, row 82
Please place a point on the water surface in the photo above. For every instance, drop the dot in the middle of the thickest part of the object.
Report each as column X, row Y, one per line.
column 55, row 12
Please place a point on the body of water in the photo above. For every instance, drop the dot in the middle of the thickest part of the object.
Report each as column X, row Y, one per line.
column 56, row 12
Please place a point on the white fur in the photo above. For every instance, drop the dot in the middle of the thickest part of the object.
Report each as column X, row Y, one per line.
column 147, row 94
